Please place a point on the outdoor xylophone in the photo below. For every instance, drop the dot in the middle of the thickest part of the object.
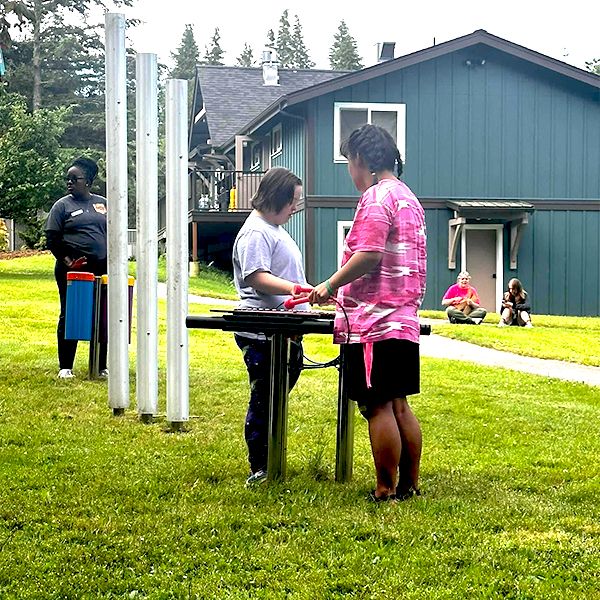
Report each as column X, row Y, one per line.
column 279, row 325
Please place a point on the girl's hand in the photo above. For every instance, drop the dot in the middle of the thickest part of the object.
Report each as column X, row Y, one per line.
column 320, row 294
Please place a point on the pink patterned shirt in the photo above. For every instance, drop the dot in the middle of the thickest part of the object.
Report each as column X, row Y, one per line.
column 383, row 304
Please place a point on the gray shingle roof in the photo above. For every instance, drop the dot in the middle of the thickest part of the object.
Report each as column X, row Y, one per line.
column 234, row 96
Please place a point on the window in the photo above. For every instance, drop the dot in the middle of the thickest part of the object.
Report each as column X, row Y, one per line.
column 276, row 140
column 255, row 156
column 343, row 227
column 348, row 116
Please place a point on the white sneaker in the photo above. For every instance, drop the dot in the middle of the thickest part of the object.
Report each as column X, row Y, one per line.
column 256, row 478
column 104, row 373
column 65, row 374
column 528, row 324
column 502, row 324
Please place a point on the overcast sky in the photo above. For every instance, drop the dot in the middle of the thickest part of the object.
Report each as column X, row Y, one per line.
column 569, row 32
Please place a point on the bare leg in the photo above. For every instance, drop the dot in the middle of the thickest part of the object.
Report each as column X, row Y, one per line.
column 386, row 446
column 524, row 318
column 412, row 443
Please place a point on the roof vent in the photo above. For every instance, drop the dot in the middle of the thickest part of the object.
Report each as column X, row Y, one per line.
column 270, row 67
column 385, row 51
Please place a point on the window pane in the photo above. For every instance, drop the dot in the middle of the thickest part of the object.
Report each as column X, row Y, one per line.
column 386, row 119
column 351, row 120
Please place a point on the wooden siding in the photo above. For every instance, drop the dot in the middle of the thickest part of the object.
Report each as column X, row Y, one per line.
column 557, row 261
column 292, row 153
column 507, row 129
column 296, row 228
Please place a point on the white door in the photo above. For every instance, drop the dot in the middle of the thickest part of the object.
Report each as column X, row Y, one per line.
column 482, row 257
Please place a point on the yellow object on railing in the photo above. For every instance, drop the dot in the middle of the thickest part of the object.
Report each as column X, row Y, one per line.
column 232, row 199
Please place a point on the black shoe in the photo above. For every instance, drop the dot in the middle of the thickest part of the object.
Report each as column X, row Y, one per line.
column 373, row 498
column 407, row 494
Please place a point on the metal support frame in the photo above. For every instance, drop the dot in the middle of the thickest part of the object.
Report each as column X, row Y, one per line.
column 516, row 233
column 344, row 447
column 455, row 227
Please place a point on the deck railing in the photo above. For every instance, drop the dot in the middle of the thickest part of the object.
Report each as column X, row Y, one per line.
column 212, row 190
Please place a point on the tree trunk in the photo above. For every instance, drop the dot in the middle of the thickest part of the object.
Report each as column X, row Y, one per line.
column 37, row 61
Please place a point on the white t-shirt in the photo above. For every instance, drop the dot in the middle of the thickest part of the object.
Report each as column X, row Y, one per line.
column 260, row 246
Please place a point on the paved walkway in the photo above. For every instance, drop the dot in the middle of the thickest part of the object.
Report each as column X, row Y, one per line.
column 437, row 346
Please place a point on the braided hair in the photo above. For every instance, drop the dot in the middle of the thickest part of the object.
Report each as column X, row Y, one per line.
column 375, row 147
column 88, row 167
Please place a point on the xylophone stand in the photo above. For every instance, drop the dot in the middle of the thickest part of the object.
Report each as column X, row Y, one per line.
column 278, row 407
column 344, row 447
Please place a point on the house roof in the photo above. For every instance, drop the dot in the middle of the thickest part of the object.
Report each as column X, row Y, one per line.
column 479, row 37
column 237, row 102
column 234, row 96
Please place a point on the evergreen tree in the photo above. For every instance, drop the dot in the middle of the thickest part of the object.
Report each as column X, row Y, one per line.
column 285, row 45
column 271, row 43
column 246, row 58
column 301, row 59
column 185, row 58
column 214, row 54
column 593, row 66
column 343, row 54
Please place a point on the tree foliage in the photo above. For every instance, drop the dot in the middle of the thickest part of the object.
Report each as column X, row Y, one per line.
column 593, row 65
column 284, row 44
column 214, row 53
column 31, row 158
column 186, row 56
column 343, row 54
column 301, row 58
column 246, row 58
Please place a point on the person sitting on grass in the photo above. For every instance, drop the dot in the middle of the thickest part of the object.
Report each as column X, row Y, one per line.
column 462, row 302
column 516, row 307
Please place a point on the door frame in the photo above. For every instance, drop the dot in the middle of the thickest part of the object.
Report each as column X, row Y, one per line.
column 499, row 228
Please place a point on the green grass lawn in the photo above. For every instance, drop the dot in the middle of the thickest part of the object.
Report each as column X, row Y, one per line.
column 573, row 339
column 93, row 506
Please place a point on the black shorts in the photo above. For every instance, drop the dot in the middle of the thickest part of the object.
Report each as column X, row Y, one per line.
column 395, row 372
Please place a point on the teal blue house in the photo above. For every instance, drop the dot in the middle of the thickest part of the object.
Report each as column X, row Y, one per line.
column 501, row 144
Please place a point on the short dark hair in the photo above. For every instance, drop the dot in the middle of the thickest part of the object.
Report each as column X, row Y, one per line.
column 375, row 147
column 276, row 190
column 87, row 166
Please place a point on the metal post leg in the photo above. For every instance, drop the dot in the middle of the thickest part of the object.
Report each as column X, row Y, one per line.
column 94, row 360
column 278, row 407
column 345, row 428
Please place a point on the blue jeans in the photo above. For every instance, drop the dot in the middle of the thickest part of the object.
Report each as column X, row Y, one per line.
column 257, row 357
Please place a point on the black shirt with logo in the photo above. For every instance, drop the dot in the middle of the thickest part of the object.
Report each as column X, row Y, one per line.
column 77, row 227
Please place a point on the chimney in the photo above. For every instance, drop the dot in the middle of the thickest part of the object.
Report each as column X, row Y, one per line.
column 385, row 51
column 269, row 66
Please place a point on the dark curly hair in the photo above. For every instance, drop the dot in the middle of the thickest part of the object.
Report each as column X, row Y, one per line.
column 276, row 190
column 375, row 147
column 87, row 166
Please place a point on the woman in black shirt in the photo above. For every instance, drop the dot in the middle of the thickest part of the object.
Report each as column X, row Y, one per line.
column 76, row 235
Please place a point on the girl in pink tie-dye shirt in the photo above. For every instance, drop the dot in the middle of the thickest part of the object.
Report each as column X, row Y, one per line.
column 380, row 286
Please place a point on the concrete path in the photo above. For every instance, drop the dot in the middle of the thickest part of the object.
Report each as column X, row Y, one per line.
column 437, row 346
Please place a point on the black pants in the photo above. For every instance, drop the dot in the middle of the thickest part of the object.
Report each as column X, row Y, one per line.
column 68, row 348
column 257, row 356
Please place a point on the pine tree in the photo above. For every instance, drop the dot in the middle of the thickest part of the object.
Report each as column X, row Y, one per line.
column 593, row 65
column 343, row 54
column 185, row 58
column 246, row 58
column 301, row 59
column 271, row 43
column 214, row 54
column 285, row 46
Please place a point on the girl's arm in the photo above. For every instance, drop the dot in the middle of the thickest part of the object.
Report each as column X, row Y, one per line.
column 359, row 264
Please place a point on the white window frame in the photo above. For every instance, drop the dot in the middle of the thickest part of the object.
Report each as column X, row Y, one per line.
column 343, row 227
column 399, row 109
column 276, row 150
column 255, row 165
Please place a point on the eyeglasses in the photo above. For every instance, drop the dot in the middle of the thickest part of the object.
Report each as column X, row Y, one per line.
column 73, row 179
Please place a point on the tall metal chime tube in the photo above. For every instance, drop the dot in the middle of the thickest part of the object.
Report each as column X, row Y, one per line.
column 146, row 240
column 116, row 188
column 177, row 253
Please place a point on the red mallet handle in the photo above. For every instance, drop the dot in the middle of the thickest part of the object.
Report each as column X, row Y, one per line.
column 291, row 302
column 298, row 289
